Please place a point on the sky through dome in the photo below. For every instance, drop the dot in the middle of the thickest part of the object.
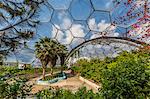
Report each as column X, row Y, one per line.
column 72, row 22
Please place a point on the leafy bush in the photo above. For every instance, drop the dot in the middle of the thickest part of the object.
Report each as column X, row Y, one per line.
column 9, row 72
column 90, row 69
column 14, row 88
column 129, row 78
column 126, row 76
column 66, row 94
column 5, row 70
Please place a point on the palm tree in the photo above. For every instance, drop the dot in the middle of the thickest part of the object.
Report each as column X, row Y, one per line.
column 48, row 51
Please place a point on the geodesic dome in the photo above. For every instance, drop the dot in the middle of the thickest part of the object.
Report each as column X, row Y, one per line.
column 73, row 22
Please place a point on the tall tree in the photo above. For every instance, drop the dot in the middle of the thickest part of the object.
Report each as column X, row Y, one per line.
column 16, row 23
column 48, row 51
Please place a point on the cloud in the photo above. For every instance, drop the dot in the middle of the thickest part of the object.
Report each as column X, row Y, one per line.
column 92, row 24
column 103, row 29
column 111, row 31
column 77, row 30
column 101, row 26
column 64, row 22
column 54, row 31
column 64, row 37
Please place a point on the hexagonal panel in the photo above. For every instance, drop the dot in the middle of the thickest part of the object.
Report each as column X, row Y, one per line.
column 62, row 20
column 81, row 9
column 46, row 29
column 99, row 21
column 105, row 5
column 44, row 14
column 60, row 4
column 64, row 37
column 79, row 29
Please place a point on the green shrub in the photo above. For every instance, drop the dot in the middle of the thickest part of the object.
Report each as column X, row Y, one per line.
column 126, row 76
column 14, row 71
column 129, row 78
column 54, row 94
column 91, row 69
column 14, row 88
column 66, row 94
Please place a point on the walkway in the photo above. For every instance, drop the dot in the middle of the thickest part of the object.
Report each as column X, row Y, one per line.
column 72, row 84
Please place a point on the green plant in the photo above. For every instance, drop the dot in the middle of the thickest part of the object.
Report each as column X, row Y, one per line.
column 13, row 72
column 14, row 88
column 48, row 51
column 66, row 94
column 127, row 77
column 90, row 69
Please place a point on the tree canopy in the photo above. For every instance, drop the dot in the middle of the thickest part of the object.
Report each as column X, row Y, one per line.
column 16, row 23
column 48, row 51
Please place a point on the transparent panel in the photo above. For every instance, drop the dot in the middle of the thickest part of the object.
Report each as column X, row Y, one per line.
column 64, row 37
column 99, row 21
column 105, row 5
column 81, row 9
column 62, row 20
column 60, row 4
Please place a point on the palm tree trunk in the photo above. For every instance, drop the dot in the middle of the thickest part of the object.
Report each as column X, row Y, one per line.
column 62, row 61
column 50, row 66
column 43, row 74
column 53, row 63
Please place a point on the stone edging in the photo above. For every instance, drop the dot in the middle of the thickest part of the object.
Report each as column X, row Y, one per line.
column 97, row 87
